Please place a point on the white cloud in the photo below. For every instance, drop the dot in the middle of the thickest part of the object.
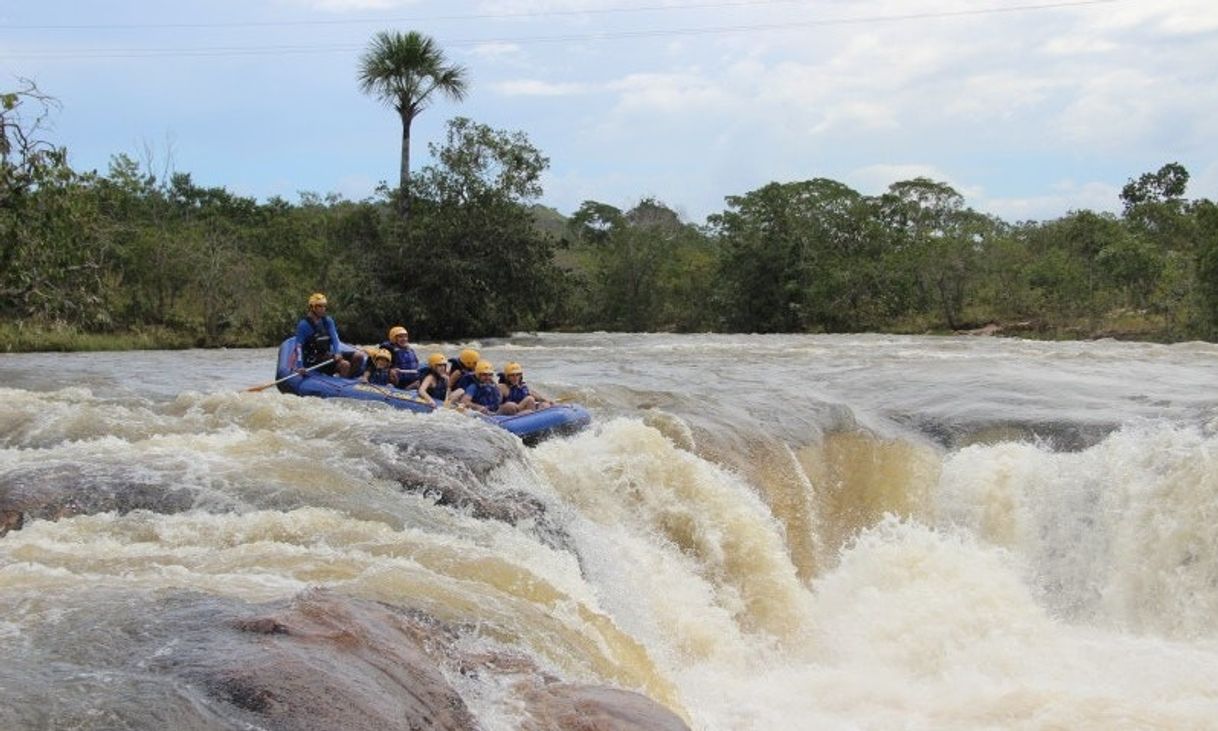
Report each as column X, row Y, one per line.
column 856, row 116
column 1191, row 18
column 1203, row 182
column 1065, row 196
column 1077, row 45
column 348, row 6
column 875, row 179
column 1180, row 17
column 669, row 93
column 1115, row 108
column 533, row 87
column 496, row 49
column 1002, row 94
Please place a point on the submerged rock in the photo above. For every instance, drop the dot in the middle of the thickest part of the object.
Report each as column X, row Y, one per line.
column 321, row 660
column 11, row 520
column 328, row 662
column 567, row 707
column 62, row 490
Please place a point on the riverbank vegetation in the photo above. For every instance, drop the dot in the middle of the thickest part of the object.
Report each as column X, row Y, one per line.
column 139, row 257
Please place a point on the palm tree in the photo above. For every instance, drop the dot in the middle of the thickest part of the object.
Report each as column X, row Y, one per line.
column 403, row 71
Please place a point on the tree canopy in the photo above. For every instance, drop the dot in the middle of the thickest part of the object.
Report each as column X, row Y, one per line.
column 134, row 250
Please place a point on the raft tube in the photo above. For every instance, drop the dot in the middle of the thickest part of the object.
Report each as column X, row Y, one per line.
column 532, row 427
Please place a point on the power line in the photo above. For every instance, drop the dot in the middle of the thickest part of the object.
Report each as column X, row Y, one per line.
column 218, row 51
column 413, row 19
column 858, row 20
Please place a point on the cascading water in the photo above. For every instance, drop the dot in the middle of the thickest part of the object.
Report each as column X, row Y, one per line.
column 759, row 532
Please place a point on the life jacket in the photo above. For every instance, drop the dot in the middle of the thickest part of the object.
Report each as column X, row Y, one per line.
column 378, row 376
column 485, row 394
column 439, row 389
column 466, row 380
column 317, row 348
column 404, row 359
column 517, row 393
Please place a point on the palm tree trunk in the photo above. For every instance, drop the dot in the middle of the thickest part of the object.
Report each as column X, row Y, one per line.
column 404, row 187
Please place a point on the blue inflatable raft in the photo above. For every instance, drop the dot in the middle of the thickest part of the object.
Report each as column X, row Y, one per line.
column 531, row 427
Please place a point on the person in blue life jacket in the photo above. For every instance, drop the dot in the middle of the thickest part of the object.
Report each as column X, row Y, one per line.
column 516, row 396
column 317, row 342
column 404, row 371
column 380, row 372
column 483, row 395
column 461, row 372
column 434, row 385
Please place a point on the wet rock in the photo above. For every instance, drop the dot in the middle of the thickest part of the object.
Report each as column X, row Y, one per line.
column 186, row 660
column 478, row 447
column 11, row 520
column 1057, row 436
column 569, row 707
column 57, row 491
column 455, row 485
column 329, row 662
column 321, row 660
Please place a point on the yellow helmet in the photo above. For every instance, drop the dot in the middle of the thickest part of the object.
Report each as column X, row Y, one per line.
column 484, row 366
column 381, row 354
column 512, row 369
column 468, row 357
column 436, row 359
column 397, row 330
column 317, row 298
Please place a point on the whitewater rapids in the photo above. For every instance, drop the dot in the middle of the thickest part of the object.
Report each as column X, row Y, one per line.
column 759, row 532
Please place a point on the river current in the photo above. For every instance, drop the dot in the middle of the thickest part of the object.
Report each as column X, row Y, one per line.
column 757, row 532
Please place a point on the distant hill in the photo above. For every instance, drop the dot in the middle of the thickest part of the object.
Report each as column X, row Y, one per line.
column 549, row 221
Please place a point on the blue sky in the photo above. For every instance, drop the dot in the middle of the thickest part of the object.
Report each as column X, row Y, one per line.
column 1030, row 108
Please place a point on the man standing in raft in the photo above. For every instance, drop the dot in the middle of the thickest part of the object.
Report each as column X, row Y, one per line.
column 317, row 341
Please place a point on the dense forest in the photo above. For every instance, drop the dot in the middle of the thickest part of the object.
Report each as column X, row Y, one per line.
column 135, row 256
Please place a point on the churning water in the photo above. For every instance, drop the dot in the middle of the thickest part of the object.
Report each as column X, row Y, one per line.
column 758, row 532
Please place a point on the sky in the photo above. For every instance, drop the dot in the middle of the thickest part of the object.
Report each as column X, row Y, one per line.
column 1029, row 108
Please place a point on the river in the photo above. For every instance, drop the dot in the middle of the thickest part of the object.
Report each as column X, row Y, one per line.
column 757, row 532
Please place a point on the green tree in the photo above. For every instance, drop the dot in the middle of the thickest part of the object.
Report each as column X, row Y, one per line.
column 404, row 71
column 1134, row 265
column 1155, row 209
column 472, row 261
column 1065, row 271
column 1165, row 185
column 787, row 250
column 938, row 241
column 645, row 268
column 54, row 252
column 1207, row 266
column 761, row 270
column 152, row 248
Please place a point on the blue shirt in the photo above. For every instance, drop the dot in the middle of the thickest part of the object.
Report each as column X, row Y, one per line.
column 322, row 335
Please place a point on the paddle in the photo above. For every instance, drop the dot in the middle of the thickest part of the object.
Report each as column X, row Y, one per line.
column 281, row 380
column 404, row 395
column 460, row 408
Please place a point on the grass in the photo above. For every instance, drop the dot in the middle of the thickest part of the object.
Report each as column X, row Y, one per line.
column 27, row 337
column 22, row 337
